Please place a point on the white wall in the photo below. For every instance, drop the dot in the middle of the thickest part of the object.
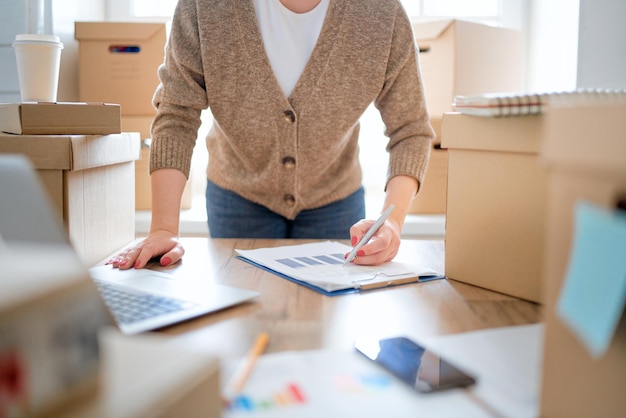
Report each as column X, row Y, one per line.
column 553, row 45
column 13, row 20
column 65, row 13
column 602, row 44
column 22, row 16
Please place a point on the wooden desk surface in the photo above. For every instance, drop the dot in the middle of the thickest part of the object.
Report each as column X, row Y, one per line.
column 298, row 318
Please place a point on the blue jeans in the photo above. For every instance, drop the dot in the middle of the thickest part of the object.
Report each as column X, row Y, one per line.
column 232, row 216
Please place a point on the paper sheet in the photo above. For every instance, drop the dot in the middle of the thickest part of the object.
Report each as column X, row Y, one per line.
column 594, row 290
column 321, row 264
column 507, row 362
column 329, row 383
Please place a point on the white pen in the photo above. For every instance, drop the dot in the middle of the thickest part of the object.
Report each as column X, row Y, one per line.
column 369, row 234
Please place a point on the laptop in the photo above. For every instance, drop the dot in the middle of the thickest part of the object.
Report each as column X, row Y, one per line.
column 139, row 300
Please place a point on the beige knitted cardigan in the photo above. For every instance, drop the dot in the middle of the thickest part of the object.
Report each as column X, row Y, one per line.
column 297, row 152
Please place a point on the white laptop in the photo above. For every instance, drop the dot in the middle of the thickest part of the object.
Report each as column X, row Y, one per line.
column 139, row 300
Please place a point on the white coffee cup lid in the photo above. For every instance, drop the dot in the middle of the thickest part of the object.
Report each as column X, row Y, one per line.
column 37, row 38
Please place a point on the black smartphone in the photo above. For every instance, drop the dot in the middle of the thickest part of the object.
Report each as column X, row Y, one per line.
column 420, row 368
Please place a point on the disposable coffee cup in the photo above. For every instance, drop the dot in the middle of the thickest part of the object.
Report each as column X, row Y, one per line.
column 38, row 61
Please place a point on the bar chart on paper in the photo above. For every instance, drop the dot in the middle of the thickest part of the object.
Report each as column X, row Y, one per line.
column 291, row 396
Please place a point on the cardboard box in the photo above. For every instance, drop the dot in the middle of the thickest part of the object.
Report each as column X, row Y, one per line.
column 139, row 124
column 88, row 180
column 496, row 203
column 461, row 58
column 50, row 315
column 585, row 152
column 138, row 381
column 431, row 198
column 60, row 118
column 118, row 63
column 143, row 185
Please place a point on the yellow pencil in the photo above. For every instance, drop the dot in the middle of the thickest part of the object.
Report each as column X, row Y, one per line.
column 240, row 377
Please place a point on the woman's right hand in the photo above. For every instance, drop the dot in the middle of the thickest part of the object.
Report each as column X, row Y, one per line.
column 158, row 243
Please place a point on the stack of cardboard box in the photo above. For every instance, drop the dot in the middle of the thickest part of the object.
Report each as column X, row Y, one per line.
column 514, row 187
column 460, row 58
column 85, row 163
column 86, row 177
column 118, row 63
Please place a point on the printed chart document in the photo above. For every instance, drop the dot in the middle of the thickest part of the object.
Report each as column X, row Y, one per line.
column 337, row 383
column 320, row 266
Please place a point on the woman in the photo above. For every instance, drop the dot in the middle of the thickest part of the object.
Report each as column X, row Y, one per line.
column 286, row 82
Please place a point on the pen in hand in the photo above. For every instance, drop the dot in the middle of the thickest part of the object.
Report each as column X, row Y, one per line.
column 369, row 234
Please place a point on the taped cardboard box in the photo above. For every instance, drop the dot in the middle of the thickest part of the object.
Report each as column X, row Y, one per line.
column 496, row 203
column 585, row 153
column 87, row 178
column 143, row 187
column 118, row 63
column 462, row 58
column 139, row 124
column 431, row 198
column 60, row 118
column 459, row 57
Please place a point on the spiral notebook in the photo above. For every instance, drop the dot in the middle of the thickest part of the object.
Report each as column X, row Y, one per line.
column 520, row 104
column 320, row 267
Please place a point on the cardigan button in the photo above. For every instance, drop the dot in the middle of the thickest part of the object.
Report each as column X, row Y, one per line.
column 289, row 199
column 289, row 116
column 289, row 163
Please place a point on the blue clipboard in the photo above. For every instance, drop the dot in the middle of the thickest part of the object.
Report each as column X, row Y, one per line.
column 380, row 285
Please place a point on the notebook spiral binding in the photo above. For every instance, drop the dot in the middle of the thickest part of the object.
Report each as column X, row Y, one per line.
column 520, row 104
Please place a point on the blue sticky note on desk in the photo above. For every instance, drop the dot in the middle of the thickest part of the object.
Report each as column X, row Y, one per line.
column 593, row 295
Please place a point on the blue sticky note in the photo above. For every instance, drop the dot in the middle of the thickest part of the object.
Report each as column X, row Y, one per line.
column 593, row 295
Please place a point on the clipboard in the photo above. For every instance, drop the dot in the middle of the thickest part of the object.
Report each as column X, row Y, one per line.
column 368, row 278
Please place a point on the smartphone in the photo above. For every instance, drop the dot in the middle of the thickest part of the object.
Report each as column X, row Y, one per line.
column 418, row 367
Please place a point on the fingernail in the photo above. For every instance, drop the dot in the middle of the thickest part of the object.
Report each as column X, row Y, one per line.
column 353, row 241
column 360, row 253
column 123, row 262
column 137, row 264
column 166, row 261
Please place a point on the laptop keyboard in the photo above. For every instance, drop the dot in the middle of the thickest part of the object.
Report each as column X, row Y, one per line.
column 130, row 306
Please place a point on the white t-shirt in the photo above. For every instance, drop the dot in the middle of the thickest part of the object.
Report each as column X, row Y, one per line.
column 289, row 38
